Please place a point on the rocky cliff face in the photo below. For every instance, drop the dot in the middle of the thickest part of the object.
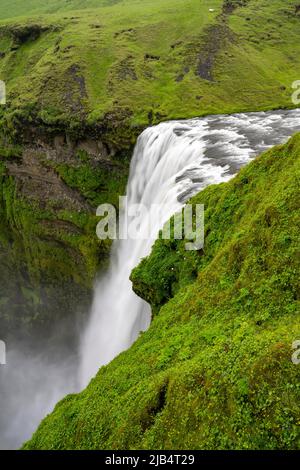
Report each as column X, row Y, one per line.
column 49, row 190
column 214, row 370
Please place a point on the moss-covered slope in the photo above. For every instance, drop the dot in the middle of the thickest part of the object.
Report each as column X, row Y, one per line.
column 49, row 251
column 83, row 78
column 214, row 370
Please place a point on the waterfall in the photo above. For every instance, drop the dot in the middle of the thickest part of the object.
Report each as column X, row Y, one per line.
column 172, row 161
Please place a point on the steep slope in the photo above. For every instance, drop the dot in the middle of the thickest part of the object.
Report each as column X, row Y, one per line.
column 214, row 371
column 83, row 77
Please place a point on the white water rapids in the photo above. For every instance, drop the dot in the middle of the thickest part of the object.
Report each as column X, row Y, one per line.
column 171, row 162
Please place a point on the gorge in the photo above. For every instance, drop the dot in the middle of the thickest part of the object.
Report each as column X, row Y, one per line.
column 172, row 162
column 140, row 343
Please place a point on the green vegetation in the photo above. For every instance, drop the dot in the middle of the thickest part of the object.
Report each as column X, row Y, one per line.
column 13, row 8
column 83, row 78
column 116, row 68
column 97, row 184
column 48, row 242
column 91, row 74
column 10, row 152
column 214, row 370
column 49, row 256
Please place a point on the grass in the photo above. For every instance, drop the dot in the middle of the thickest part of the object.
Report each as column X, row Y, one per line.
column 16, row 8
column 214, row 370
column 131, row 63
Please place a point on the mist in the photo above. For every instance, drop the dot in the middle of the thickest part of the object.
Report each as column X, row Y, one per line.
column 172, row 161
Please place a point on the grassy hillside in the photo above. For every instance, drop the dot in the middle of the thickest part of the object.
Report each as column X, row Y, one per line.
column 214, row 370
column 15, row 8
column 129, row 63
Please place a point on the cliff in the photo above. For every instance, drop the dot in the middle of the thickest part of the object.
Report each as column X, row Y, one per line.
column 214, row 370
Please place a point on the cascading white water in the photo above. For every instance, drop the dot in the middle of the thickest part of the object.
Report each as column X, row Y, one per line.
column 171, row 162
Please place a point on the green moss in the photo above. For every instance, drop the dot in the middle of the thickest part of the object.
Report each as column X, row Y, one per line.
column 98, row 185
column 214, row 370
column 10, row 152
column 49, row 259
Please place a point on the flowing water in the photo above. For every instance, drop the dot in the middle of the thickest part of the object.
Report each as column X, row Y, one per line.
column 171, row 162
